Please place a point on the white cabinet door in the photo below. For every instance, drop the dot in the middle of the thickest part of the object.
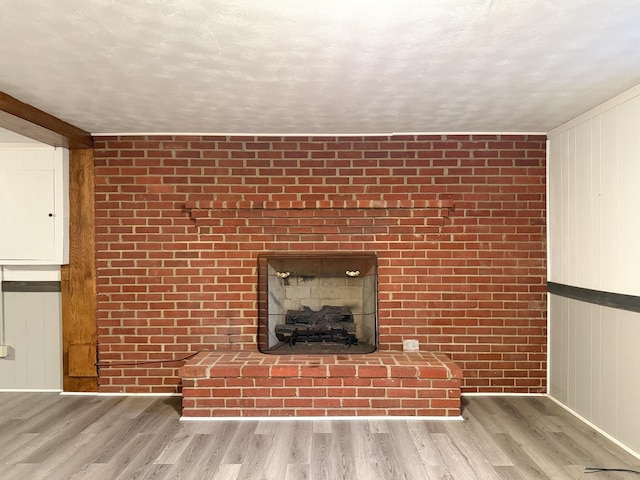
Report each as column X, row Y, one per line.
column 27, row 214
column 33, row 205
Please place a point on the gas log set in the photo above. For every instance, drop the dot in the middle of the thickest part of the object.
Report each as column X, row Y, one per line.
column 329, row 324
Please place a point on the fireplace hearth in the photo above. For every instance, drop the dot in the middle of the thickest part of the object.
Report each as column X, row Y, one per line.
column 315, row 304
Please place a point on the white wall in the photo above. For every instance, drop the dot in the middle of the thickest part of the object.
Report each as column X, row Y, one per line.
column 594, row 243
column 32, row 331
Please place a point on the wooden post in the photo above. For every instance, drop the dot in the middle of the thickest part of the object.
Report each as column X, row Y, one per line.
column 79, row 330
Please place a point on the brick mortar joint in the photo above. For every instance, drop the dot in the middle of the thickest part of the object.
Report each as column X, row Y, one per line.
column 318, row 204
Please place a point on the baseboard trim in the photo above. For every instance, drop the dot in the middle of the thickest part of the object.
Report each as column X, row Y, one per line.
column 118, row 394
column 596, row 428
column 502, row 394
column 30, row 390
column 320, row 419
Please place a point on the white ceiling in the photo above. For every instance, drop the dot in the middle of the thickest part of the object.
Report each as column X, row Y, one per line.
column 318, row 66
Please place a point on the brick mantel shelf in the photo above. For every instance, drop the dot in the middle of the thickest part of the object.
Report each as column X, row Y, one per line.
column 207, row 213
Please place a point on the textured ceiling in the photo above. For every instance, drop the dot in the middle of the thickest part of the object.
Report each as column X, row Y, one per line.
column 331, row 66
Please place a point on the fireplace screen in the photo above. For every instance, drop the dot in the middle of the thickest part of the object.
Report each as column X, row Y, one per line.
column 317, row 304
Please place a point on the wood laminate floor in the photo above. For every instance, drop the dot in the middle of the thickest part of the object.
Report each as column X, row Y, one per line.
column 49, row 436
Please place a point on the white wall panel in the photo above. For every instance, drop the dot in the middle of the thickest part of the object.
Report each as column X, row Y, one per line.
column 582, row 214
column 580, row 325
column 596, row 205
column 629, row 196
column 628, row 366
column 595, row 371
column 554, row 212
column 30, row 273
column 570, row 207
column 34, row 335
column 608, row 221
column 595, row 362
column 564, row 207
column 569, row 332
column 607, row 319
column 557, row 349
column 594, row 225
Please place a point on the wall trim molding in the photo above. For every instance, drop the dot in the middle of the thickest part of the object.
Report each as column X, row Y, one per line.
column 30, row 286
column 119, row 394
column 597, row 297
column 31, row 390
column 308, row 134
column 595, row 111
column 503, row 394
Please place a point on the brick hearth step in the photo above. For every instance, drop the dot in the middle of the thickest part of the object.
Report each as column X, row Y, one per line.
column 250, row 384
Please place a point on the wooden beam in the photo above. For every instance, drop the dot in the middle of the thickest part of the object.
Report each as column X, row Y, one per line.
column 38, row 125
column 79, row 330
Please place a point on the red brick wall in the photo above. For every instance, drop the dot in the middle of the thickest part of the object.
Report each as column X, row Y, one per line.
column 457, row 222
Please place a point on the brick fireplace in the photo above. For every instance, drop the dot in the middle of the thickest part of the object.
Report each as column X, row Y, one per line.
column 456, row 222
column 317, row 304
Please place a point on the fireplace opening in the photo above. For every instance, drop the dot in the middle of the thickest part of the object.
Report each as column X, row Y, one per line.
column 317, row 304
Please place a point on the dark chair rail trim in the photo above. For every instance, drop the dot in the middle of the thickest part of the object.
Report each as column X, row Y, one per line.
column 31, row 286
column 597, row 297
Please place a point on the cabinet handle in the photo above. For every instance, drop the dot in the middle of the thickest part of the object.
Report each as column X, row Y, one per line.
column 51, row 214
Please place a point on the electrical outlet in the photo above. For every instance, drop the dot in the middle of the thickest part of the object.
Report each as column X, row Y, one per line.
column 4, row 351
column 410, row 346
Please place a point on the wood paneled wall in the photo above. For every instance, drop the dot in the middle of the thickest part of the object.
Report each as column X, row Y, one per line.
column 594, row 196
column 32, row 332
column 593, row 237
